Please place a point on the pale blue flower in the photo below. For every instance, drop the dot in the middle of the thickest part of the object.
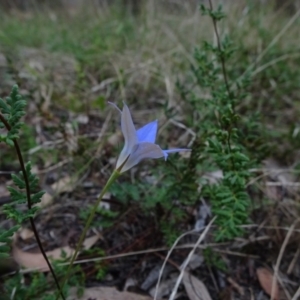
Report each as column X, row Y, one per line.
column 139, row 144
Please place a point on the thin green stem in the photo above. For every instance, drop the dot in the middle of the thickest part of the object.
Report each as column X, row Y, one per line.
column 110, row 181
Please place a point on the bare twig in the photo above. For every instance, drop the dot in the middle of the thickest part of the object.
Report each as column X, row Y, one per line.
column 141, row 252
column 279, row 258
column 186, row 262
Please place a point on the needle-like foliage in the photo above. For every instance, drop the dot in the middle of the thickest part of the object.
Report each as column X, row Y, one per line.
column 214, row 99
column 25, row 190
column 12, row 110
column 5, row 236
column 18, row 196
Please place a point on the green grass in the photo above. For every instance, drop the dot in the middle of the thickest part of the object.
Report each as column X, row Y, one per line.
column 66, row 34
column 153, row 51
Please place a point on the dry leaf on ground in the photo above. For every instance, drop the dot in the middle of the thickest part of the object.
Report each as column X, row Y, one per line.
column 105, row 293
column 3, row 191
column 25, row 233
column 195, row 288
column 265, row 278
column 164, row 289
column 46, row 200
column 37, row 261
column 65, row 184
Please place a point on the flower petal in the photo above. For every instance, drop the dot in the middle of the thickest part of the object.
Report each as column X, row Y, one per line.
column 147, row 133
column 129, row 133
column 166, row 152
column 143, row 150
column 115, row 106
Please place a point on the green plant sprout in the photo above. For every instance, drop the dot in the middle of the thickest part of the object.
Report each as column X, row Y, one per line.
column 220, row 140
column 12, row 109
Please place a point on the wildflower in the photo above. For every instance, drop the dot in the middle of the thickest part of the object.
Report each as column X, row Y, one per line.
column 139, row 144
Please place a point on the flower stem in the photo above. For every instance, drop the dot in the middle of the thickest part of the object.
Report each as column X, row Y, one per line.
column 111, row 179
